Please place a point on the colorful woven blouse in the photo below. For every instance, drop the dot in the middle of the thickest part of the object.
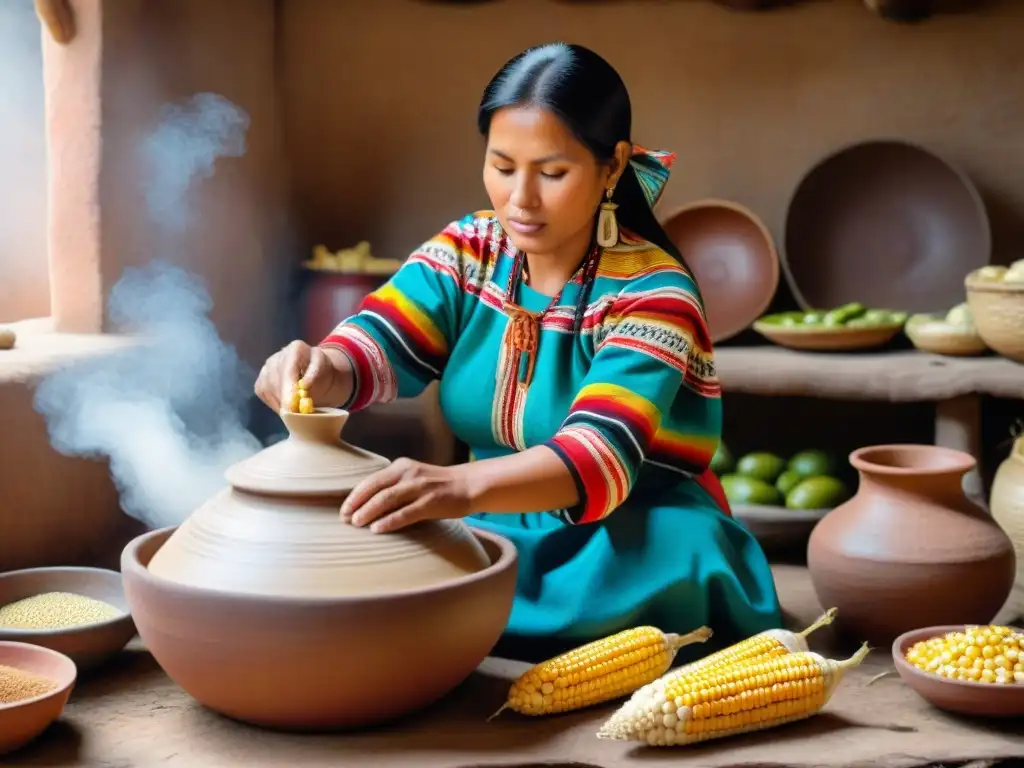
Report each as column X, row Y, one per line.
column 631, row 404
column 635, row 392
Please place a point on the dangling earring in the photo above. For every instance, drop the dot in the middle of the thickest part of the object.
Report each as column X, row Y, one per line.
column 607, row 224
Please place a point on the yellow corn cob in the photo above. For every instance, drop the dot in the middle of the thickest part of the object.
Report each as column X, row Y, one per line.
column 768, row 644
column 707, row 704
column 600, row 671
column 300, row 401
column 771, row 642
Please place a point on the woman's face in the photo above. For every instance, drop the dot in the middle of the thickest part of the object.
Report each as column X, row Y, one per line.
column 543, row 183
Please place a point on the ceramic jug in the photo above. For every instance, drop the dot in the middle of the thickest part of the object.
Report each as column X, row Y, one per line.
column 909, row 549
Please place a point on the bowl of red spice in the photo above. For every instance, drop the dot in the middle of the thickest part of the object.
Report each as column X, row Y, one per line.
column 79, row 612
column 35, row 684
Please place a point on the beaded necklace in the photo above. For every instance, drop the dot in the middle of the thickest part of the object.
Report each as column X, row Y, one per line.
column 523, row 337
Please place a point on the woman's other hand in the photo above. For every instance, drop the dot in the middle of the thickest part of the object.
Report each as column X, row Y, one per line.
column 407, row 492
column 315, row 366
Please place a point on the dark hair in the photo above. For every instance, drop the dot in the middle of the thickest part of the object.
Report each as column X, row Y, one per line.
column 588, row 95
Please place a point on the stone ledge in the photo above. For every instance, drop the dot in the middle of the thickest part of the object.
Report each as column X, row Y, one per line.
column 40, row 349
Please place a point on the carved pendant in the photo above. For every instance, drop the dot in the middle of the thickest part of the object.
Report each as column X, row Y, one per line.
column 523, row 339
column 607, row 226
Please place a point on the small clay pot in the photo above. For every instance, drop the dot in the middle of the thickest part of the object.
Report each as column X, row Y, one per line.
column 909, row 550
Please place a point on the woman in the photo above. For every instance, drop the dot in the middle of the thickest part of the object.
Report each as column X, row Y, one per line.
column 573, row 356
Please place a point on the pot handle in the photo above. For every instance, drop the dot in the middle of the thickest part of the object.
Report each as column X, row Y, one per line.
column 322, row 426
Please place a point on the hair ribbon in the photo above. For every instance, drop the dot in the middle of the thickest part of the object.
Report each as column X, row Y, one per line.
column 652, row 168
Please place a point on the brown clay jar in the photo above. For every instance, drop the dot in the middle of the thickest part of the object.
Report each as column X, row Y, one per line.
column 909, row 550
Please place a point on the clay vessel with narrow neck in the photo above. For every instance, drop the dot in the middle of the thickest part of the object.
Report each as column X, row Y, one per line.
column 909, row 550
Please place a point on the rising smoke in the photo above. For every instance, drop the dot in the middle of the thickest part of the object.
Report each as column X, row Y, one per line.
column 168, row 412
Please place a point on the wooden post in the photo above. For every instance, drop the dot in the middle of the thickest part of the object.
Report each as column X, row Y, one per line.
column 958, row 426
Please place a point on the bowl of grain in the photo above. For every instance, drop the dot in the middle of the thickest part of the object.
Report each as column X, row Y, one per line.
column 35, row 684
column 969, row 670
column 79, row 612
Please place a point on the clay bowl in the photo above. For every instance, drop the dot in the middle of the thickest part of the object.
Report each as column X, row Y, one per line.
column 960, row 696
column 998, row 311
column 885, row 223
column 826, row 339
column 778, row 527
column 22, row 721
column 320, row 664
column 88, row 646
column 733, row 257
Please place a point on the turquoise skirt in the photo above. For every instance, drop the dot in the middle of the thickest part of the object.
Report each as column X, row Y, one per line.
column 677, row 565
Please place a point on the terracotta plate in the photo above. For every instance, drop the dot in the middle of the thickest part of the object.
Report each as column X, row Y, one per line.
column 960, row 696
column 887, row 224
column 823, row 339
column 732, row 255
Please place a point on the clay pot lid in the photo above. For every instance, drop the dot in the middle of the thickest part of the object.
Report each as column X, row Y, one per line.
column 733, row 258
column 312, row 461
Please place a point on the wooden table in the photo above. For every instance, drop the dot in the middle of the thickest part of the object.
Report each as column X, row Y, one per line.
column 133, row 716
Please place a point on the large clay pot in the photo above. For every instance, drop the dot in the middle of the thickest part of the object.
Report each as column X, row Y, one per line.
column 909, row 550
column 266, row 607
column 1007, row 505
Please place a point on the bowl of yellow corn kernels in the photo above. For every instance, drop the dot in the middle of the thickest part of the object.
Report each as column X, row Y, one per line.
column 79, row 612
column 970, row 670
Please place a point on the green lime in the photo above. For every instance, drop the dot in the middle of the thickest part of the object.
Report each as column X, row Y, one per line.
column 761, row 465
column 787, row 481
column 810, row 463
column 722, row 462
column 749, row 490
column 819, row 492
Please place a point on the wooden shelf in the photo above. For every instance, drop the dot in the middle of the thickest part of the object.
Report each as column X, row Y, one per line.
column 896, row 376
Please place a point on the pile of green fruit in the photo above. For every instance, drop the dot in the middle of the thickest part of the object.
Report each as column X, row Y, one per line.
column 806, row 481
column 852, row 315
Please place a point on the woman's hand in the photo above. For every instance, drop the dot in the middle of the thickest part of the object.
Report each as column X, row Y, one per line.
column 405, row 493
column 316, row 367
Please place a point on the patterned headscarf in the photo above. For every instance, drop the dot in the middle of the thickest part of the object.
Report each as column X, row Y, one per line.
column 652, row 167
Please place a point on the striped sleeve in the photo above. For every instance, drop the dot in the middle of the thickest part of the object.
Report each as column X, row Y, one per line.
column 655, row 359
column 400, row 338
